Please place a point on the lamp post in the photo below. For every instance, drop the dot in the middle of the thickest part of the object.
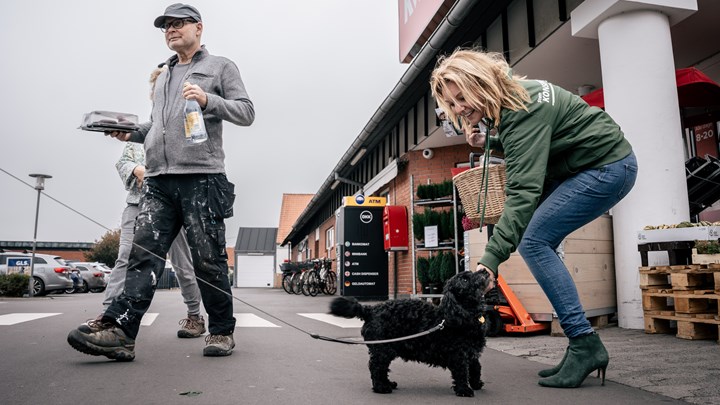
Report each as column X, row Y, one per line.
column 39, row 186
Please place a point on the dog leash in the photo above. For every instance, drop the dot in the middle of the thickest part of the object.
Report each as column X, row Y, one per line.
column 313, row 335
column 440, row 326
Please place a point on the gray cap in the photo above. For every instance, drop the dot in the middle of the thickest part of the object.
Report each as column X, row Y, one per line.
column 178, row 10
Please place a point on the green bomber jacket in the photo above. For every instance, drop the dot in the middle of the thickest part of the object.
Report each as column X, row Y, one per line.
column 559, row 135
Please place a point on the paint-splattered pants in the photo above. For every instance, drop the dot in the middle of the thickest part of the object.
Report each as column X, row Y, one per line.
column 199, row 202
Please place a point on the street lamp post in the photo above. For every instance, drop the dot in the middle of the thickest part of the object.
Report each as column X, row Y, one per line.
column 39, row 186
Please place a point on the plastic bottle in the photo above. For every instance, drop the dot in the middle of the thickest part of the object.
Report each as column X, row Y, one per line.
column 194, row 124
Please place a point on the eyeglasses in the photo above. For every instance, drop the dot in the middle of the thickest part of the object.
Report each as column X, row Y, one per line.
column 177, row 24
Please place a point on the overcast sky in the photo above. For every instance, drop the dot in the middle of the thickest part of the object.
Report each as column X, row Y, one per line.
column 316, row 71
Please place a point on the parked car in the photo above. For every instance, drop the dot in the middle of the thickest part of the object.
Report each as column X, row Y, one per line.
column 51, row 272
column 92, row 275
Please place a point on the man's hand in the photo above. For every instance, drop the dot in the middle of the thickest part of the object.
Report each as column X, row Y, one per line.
column 476, row 138
column 120, row 136
column 491, row 277
column 194, row 91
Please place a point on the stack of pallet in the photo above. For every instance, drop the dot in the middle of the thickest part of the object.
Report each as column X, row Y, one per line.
column 682, row 299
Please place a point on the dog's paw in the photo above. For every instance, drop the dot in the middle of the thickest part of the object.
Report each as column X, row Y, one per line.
column 393, row 384
column 464, row 391
column 476, row 385
column 384, row 388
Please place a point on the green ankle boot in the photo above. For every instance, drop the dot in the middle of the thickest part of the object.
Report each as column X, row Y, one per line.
column 584, row 355
column 552, row 371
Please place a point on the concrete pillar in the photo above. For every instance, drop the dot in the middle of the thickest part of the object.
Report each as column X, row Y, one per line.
column 640, row 90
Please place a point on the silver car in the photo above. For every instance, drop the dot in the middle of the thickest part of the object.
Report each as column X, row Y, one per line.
column 93, row 277
column 51, row 272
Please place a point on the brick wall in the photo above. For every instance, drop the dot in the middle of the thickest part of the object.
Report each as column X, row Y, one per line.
column 423, row 170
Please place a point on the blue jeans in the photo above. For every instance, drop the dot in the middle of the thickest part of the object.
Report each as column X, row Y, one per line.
column 566, row 206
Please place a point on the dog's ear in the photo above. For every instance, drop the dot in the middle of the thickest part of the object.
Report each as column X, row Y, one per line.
column 452, row 310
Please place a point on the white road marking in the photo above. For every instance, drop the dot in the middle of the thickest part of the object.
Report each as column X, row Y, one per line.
column 335, row 320
column 252, row 321
column 12, row 319
column 149, row 318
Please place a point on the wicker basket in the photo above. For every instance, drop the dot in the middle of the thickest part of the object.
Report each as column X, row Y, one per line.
column 469, row 184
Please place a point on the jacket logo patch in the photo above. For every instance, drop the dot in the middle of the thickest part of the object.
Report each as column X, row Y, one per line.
column 547, row 95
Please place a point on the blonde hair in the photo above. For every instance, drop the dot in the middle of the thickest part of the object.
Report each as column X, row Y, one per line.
column 484, row 80
column 153, row 78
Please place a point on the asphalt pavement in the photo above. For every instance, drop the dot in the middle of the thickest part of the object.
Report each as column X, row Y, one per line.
column 277, row 362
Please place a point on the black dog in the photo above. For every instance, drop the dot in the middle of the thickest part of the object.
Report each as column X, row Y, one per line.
column 456, row 347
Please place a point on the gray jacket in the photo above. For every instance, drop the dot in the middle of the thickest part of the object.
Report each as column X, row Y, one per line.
column 166, row 151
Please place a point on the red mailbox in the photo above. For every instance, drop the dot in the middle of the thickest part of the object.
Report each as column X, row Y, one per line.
column 395, row 227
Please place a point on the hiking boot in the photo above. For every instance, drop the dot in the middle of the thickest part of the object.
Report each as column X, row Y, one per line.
column 218, row 345
column 102, row 339
column 191, row 327
column 93, row 325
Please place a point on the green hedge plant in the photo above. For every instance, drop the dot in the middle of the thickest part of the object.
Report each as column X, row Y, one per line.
column 13, row 285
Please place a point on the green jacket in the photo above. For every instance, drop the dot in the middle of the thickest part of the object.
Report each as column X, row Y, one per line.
column 559, row 136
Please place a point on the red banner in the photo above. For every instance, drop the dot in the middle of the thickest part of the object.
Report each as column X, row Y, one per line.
column 413, row 17
column 706, row 142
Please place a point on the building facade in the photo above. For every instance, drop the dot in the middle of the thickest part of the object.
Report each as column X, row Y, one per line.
column 630, row 49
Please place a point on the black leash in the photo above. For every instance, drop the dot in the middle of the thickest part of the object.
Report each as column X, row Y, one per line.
column 440, row 326
column 313, row 335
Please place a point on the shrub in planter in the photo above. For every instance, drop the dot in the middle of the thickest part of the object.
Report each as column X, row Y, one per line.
column 445, row 228
column 423, row 274
column 445, row 189
column 418, row 223
column 426, row 191
column 435, row 190
column 436, row 282
column 707, row 247
column 447, row 266
column 13, row 285
column 423, row 271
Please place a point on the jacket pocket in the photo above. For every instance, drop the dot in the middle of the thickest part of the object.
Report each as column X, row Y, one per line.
column 221, row 196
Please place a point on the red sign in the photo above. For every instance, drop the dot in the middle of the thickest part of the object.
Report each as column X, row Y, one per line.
column 706, row 142
column 413, row 17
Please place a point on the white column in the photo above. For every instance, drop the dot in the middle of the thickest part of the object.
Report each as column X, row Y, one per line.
column 640, row 90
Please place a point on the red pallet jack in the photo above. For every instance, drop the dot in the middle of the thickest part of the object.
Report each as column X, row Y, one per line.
column 512, row 318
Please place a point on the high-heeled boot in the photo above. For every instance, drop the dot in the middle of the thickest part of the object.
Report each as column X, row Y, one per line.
column 584, row 355
column 552, row 371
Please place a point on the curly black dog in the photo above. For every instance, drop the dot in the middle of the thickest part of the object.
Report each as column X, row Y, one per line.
column 456, row 347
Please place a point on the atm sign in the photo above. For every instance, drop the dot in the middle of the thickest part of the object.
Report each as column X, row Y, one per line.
column 352, row 201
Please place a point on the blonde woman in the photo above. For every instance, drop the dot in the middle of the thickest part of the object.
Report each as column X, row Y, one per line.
column 567, row 164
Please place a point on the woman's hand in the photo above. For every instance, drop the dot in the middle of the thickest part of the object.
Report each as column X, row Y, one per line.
column 476, row 138
column 139, row 173
column 491, row 277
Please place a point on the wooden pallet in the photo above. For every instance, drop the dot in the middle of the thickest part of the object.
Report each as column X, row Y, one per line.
column 682, row 299
column 681, row 277
column 691, row 328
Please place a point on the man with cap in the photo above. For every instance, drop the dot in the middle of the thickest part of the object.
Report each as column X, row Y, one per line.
column 185, row 185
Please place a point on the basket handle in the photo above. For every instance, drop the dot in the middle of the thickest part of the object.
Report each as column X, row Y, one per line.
column 472, row 158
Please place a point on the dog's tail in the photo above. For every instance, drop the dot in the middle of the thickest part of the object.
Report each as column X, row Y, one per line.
column 348, row 307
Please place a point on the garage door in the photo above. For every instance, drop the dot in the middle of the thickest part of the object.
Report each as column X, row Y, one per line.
column 254, row 271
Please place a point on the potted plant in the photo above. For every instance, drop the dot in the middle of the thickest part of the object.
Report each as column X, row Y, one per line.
column 418, row 224
column 423, row 274
column 447, row 267
column 435, row 281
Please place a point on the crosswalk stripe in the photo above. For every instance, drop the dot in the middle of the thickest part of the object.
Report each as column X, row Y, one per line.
column 252, row 321
column 12, row 319
column 148, row 318
column 334, row 320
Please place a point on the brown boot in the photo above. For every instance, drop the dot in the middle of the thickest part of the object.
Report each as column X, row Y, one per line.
column 191, row 327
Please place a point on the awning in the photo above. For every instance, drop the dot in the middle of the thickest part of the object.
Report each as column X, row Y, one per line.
column 695, row 89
